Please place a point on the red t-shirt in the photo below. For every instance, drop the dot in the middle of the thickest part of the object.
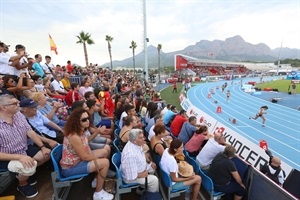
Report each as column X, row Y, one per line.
column 177, row 124
column 71, row 97
column 69, row 68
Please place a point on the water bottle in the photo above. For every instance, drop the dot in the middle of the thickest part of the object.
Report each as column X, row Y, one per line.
column 187, row 194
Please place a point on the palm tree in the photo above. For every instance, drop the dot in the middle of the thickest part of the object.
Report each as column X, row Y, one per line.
column 109, row 39
column 158, row 51
column 133, row 47
column 85, row 38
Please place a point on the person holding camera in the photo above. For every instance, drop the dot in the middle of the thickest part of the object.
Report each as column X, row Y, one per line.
column 273, row 169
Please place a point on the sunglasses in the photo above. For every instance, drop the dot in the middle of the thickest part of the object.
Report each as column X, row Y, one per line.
column 85, row 119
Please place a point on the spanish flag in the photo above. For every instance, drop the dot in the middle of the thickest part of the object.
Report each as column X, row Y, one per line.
column 52, row 45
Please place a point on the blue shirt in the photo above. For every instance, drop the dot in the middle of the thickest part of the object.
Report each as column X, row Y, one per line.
column 186, row 132
column 38, row 69
column 46, row 111
column 39, row 122
column 168, row 116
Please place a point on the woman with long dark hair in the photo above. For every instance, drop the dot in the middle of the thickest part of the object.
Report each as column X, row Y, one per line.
column 77, row 157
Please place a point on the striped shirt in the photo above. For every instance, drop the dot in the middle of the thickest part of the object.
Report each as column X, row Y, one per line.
column 13, row 137
column 133, row 161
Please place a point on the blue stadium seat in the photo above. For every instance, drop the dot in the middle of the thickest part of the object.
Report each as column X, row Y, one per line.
column 121, row 186
column 208, row 185
column 116, row 143
column 61, row 185
column 117, row 132
column 166, row 179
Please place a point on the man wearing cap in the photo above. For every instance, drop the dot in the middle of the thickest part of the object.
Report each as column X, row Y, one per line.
column 14, row 131
column 39, row 121
column 23, row 64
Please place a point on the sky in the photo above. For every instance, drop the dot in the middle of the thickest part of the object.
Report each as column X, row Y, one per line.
column 174, row 24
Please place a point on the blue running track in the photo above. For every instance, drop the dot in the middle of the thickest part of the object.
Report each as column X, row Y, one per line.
column 282, row 130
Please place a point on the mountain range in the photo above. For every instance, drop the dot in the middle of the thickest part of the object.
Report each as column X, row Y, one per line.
column 232, row 49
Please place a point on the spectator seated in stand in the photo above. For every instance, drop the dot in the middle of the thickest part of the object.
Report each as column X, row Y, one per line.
column 188, row 129
column 210, row 150
column 273, row 170
column 170, row 165
column 198, row 140
column 50, row 111
column 129, row 122
column 39, row 121
column 169, row 116
column 73, row 95
column 99, row 120
column 57, row 85
column 221, row 171
column 15, row 154
column 94, row 135
column 78, row 158
column 177, row 123
column 134, row 166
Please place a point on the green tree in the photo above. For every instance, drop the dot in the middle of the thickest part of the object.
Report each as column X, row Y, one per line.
column 158, row 51
column 109, row 39
column 133, row 47
column 85, row 38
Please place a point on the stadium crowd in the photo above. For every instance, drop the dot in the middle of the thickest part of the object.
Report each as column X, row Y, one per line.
column 42, row 105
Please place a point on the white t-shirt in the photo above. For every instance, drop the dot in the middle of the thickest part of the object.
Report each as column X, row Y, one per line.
column 46, row 69
column 209, row 151
column 124, row 114
column 169, row 164
column 151, row 132
column 57, row 86
column 22, row 61
column 5, row 68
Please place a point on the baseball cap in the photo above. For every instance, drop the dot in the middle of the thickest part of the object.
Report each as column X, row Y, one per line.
column 17, row 167
column 28, row 103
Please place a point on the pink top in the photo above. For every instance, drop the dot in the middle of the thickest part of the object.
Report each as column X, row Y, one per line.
column 69, row 155
column 194, row 144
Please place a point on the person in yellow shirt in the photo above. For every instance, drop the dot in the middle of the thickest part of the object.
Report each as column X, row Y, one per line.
column 66, row 81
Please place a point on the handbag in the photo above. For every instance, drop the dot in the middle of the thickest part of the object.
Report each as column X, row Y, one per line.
column 150, row 195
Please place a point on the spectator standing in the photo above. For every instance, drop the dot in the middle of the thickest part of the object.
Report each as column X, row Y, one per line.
column 48, row 67
column 37, row 67
column 69, row 67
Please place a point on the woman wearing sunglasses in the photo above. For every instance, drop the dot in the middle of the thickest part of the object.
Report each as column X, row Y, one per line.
column 78, row 158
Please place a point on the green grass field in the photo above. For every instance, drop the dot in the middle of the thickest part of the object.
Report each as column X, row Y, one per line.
column 170, row 97
column 281, row 85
